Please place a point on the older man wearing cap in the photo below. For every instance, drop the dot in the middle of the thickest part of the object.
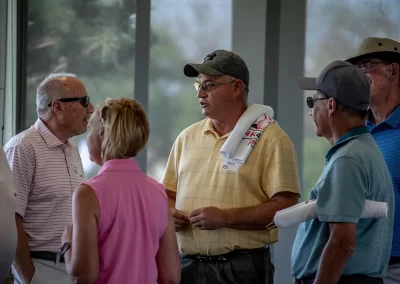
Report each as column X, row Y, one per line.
column 338, row 246
column 221, row 215
column 379, row 58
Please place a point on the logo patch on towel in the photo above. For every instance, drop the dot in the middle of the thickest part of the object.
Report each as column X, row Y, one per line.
column 230, row 165
column 256, row 129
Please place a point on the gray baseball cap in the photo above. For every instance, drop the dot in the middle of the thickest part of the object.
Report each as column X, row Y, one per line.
column 342, row 81
column 220, row 62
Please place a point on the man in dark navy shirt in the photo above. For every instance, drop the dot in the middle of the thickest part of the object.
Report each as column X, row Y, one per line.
column 379, row 58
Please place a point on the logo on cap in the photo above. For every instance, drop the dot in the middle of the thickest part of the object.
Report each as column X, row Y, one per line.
column 210, row 56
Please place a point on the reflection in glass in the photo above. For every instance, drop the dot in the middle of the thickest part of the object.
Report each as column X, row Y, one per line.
column 182, row 32
column 334, row 30
column 93, row 39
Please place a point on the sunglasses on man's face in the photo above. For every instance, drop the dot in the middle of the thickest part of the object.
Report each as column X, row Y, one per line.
column 311, row 101
column 85, row 101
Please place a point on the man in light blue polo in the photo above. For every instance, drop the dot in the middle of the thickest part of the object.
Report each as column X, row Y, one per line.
column 338, row 246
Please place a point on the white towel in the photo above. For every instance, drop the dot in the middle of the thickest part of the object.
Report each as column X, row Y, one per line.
column 307, row 210
column 245, row 135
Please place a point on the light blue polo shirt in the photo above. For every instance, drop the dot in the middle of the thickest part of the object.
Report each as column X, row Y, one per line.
column 355, row 170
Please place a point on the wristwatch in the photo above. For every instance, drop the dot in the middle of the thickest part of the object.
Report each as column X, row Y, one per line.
column 66, row 246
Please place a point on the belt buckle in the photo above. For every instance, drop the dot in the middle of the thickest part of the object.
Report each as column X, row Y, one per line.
column 202, row 258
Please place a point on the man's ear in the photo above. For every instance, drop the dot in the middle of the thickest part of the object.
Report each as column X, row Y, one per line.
column 57, row 107
column 239, row 86
column 332, row 106
column 394, row 74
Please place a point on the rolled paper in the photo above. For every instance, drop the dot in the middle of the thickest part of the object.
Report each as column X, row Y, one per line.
column 307, row 210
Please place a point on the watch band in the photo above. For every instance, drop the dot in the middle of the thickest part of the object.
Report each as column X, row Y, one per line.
column 66, row 246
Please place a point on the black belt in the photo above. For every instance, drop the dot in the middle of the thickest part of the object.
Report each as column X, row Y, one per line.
column 304, row 281
column 224, row 257
column 345, row 279
column 394, row 260
column 47, row 255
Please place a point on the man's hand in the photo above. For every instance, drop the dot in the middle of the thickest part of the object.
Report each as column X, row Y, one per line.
column 181, row 220
column 207, row 218
column 23, row 261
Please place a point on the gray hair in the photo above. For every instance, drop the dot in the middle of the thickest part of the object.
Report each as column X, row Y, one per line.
column 50, row 89
column 245, row 89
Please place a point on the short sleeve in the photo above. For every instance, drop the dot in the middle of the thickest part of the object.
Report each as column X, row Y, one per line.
column 341, row 195
column 170, row 177
column 280, row 172
column 22, row 164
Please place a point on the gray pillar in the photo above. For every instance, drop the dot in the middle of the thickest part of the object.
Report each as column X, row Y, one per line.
column 3, row 47
column 270, row 36
column 248, row 40
column 142, row 63
column 290, row 108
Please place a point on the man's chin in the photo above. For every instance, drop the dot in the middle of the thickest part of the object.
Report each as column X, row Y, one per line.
column 205, row 113
column 318, row 133
column 81, row 131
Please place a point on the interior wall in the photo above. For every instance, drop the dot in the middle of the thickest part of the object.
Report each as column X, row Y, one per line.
column 270, row 36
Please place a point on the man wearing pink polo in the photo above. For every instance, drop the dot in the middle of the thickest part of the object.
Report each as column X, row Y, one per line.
column 47, row 168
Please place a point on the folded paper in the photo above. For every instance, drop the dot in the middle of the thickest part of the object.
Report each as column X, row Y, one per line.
column 307, row 210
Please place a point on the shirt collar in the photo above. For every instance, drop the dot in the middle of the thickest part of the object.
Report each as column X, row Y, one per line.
column 209, row 128
column 393, row 120
column 120, row 165
column 49, row 138
column 355, row 132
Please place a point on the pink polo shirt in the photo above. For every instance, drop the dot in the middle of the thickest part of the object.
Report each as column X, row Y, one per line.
column 133, row 218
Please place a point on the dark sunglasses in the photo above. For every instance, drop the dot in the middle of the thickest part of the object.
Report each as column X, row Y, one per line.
column 85, row 101
column 310, row 101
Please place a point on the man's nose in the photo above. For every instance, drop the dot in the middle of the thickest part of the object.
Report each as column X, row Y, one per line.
column 90, row 108
column 201, row 93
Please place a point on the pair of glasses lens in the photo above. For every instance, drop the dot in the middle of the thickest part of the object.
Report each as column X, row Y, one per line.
column 205, row 87
column 311, row 101
column 85, row 101
column 208, row 87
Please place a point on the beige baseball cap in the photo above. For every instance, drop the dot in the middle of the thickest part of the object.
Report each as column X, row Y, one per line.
column 377, row 47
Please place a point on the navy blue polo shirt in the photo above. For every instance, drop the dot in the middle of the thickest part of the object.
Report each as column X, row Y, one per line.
column 387, row 136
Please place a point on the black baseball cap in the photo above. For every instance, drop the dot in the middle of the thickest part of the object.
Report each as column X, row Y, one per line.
column 342, row 81
column 220, row 62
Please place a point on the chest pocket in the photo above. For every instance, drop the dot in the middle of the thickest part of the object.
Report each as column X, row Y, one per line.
column 52, row 181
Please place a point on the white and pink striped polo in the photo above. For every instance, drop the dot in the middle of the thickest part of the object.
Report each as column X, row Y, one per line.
column 46, row 172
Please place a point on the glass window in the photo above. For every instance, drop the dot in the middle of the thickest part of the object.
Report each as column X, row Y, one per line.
column 334, row 30
column 182, row 32
column 93, row 39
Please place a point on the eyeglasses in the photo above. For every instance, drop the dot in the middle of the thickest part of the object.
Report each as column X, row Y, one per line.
column 310, row 101
column 208, row 87
column 367, row 65
column 85, row 101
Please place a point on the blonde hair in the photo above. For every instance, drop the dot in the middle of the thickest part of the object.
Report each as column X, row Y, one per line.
column 123, row 128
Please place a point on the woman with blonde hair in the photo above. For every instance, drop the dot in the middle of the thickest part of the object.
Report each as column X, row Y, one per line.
column 122, row 230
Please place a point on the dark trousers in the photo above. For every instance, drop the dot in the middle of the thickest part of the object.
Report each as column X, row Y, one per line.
column 349, row 279
column 237, row 267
